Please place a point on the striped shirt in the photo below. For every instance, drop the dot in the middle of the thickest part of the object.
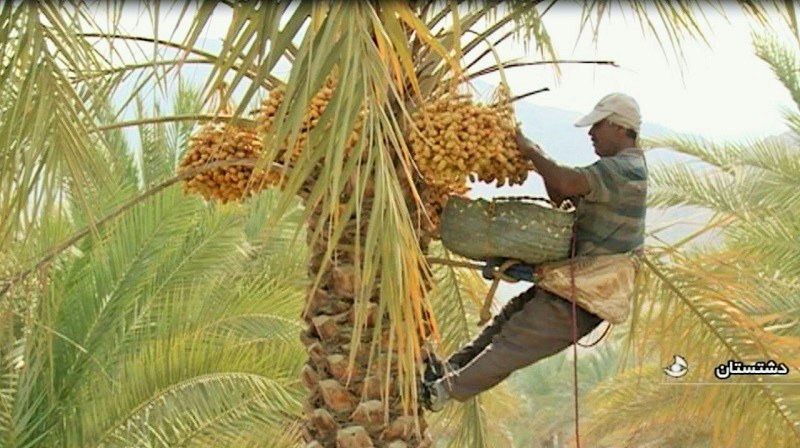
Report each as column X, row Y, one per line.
column 610, row 219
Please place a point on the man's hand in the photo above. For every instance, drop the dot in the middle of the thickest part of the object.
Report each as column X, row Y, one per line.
column 561, row 182
column 526, row 147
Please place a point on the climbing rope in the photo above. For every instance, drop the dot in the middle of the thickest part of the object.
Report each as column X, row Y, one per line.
column 574, row 332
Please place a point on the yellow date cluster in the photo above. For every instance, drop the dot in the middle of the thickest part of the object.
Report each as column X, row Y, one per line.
column 459, row 139
column 269, row 109
column 219, row 142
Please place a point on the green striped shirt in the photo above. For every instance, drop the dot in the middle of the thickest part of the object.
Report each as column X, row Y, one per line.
column 610, row 219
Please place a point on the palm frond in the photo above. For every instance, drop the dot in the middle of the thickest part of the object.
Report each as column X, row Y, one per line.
column 747, row 179
column 48, row 134
column 156, row 161
column 782, row 60
column 708, row 313
column 641, row 395
column 164, row 340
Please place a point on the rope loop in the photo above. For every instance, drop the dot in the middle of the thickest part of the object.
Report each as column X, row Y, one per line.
column 498, row 274
column 574, row 330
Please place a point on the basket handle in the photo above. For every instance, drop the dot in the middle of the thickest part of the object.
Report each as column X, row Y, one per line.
column 514, row 198
column 565, row 205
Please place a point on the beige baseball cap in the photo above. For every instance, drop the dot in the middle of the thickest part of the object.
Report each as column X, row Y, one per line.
column 618, row 108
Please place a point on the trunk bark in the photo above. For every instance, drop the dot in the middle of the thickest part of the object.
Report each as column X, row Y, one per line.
column 346, row 408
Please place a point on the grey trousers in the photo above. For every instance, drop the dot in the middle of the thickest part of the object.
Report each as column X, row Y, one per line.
column 532, row 326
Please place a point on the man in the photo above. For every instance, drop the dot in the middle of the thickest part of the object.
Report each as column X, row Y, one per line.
column 610, row 196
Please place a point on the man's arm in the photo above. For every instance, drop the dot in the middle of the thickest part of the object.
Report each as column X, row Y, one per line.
column 561, row 182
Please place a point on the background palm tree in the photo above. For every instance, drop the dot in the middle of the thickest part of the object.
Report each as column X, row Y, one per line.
column 63, row 166
column 542, row 419
column 175, row 325
column 733, row 297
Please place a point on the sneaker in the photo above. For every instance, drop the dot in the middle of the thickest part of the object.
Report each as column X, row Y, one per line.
column 434, row 396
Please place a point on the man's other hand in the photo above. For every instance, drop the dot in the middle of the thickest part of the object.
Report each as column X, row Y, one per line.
column 520, row 271
column 491, row 265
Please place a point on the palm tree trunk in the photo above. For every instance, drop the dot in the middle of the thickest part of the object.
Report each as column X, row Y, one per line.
column 346, row 408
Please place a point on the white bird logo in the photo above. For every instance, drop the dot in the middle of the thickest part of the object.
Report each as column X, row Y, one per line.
column 678, row 368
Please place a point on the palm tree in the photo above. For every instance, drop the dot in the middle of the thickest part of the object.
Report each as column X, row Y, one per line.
column 169, row 327
column 367, row 307
column 176, row 327
column 733, row 298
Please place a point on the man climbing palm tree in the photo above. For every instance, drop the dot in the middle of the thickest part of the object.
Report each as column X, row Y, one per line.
column 610, row 196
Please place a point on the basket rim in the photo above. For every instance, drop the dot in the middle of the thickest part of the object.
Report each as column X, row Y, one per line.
column 517, row 201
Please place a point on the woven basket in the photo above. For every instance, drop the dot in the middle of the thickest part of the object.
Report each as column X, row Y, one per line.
column 517, row 227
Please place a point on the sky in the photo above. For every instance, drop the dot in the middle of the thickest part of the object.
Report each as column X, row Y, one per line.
column 723, row 91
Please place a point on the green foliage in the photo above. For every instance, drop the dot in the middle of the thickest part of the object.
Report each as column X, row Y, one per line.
column 734, row 299
column 174, row 325
column 545, row 411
